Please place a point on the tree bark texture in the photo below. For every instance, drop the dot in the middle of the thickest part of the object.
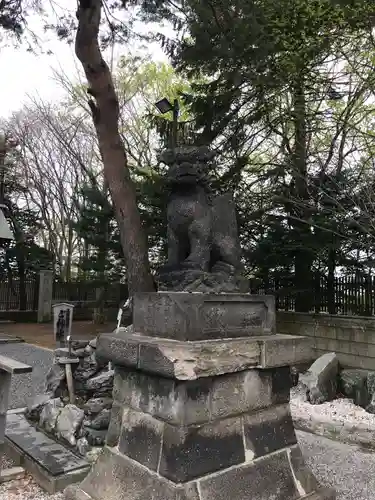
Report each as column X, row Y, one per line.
column 303, row 253
column 105, row 113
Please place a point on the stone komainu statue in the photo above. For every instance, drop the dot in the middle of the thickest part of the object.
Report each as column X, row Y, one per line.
column 203, row 245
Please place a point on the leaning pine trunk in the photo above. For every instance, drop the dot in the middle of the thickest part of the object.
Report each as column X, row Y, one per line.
column 105, row 113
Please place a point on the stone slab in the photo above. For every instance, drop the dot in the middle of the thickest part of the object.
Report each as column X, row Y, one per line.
column 52, row 465
column 10, row 339
column 117, row 477
column 12, row 474
column 192, row 360
column 189, row 453
column 12, row 366
column 200, row 316
column 322, row 494
column 195, row 402
column 268, row 430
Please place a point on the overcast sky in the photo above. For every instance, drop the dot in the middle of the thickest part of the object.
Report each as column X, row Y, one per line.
column 24, row 73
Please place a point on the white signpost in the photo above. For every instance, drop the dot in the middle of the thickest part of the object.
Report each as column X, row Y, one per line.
column 62, row 322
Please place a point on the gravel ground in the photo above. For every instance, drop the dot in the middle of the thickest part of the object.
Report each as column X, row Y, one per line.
column 348, row 469
column 340, row 411
column 25, row 387
column 25, row 489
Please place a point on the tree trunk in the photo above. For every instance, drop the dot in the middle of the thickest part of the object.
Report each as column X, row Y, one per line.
column 303, row 254
column 105, row 113
column 331, row 279
column 20, row 257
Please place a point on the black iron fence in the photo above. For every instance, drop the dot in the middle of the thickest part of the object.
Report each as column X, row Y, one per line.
column 90, row 291
column 349, row 295
column 19, row 295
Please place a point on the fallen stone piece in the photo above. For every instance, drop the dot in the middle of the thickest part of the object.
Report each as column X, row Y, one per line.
column 101, row 383
column 83, row 446
column 94, row 437
column 50, row 413
column 93, row 455
column 370, row 382
column 86, row 369
column 320, row 379
column 81, row 353
column 96, row 405
column 101, row 420
column 69, row 422
column 54, row 379
column 353, row 385
column 79, row 344
column 93, row 343
column 35, row 408
column 52, row 465
column 12, row 474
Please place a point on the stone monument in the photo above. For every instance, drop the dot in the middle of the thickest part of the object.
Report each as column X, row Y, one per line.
column 203, row 245
column 202, row 379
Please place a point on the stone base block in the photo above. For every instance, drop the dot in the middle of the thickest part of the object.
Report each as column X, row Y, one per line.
column 280, row 476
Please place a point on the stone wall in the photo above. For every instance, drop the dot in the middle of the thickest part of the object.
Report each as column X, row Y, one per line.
column 352, row 338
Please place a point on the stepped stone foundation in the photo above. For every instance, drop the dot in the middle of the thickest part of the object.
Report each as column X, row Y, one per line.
column 201, row 419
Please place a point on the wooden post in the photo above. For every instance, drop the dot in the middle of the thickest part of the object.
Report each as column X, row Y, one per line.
column 68, row 362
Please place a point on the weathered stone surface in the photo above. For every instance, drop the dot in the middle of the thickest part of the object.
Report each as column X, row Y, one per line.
column 101, row 420
column 140, row 438
column 35, row 408
column 193, row 360
column 79, row 344
column 93, row 343
column 192, row 452
column 93, row 454
column 202, row 226
column 268, row 430
column 55, row 376
column 50, row 413
column 268, row 478
column 353, row 385
column 240, row 392
column 285, row 350
column 180, row 360
column 180, row 403
column 281, row 384
column 306, row 480
column 93, row 436
column 61, row 352
column 81, row 353
column 96, row 405
column 101, row 383
column 370, row 384
column 130, row 481
column 87, row 368
column 69, row 422
column 194, row 402
column 321, row 379
column 83, row 446
column 114, row 429
column 188, row 280
column 202, row 316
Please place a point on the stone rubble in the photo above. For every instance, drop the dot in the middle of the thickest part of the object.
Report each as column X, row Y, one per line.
column 84, row 425
column 321, row 379
column 325, row 381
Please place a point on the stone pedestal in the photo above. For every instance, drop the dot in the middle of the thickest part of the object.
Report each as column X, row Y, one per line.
column 197, row 419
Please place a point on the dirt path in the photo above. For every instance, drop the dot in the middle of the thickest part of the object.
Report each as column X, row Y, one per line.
column 41, row 334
